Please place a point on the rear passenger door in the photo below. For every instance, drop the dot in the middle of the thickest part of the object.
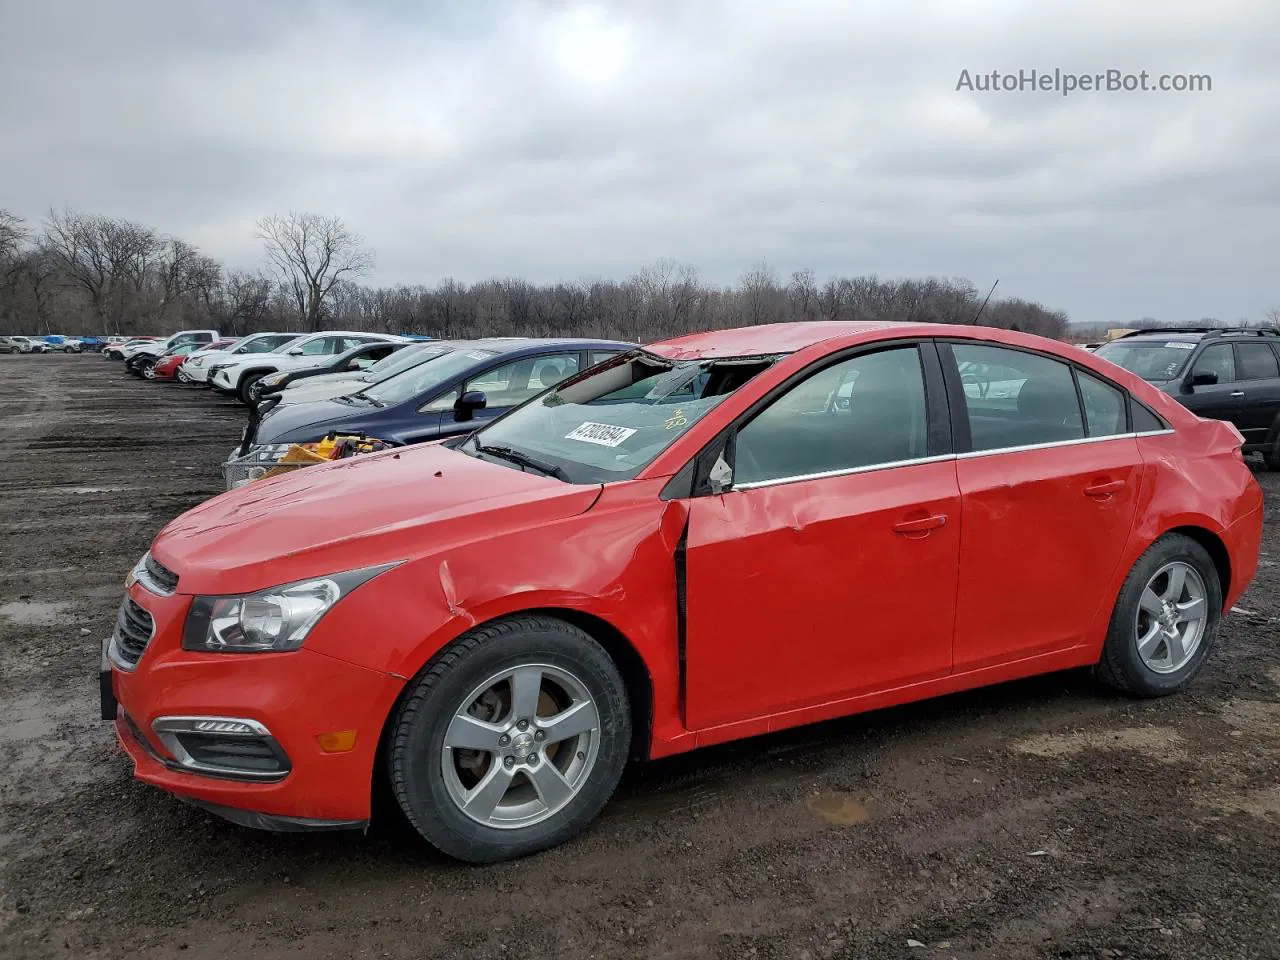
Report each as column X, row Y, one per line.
column 1048, row 473
column 1259, row 389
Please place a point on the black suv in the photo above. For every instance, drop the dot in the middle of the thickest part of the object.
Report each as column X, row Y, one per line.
column 1219, row 373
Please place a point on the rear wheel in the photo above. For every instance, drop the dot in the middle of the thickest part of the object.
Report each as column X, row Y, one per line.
column 1165, row 620
column 1272, row 454
column 512, row 741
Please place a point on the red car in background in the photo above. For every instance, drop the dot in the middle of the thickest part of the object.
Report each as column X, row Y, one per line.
column 166, row 368
column 708, row 538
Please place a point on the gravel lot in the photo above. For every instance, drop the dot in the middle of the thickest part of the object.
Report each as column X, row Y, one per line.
column 1046, row 818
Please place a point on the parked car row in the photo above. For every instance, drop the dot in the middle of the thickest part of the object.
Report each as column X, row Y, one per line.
column 619, row 553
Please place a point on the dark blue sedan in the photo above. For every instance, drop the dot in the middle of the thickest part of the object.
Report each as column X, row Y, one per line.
column 452, row 394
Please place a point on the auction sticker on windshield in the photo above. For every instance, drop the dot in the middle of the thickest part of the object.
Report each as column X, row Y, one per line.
column 1179, row 345
column 605, row 434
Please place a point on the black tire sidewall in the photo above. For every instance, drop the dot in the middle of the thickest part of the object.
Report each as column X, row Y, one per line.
column 1121, row 650
column 418, row 737
column 247, row 381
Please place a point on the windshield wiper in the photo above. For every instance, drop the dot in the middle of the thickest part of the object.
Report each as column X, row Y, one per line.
column 353, row 398
column 523, row 459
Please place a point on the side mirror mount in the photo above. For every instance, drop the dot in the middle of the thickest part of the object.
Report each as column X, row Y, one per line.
column 295, row 352
column 467, row 405
column 720, row 476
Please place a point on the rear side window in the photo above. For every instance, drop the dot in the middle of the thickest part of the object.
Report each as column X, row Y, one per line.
column 1144, row 421
column 1103, row 406
column 1256, row 361
column 1017, row 399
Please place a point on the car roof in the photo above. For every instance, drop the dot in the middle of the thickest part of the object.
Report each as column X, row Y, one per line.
column 499, row 345
column 765, row 339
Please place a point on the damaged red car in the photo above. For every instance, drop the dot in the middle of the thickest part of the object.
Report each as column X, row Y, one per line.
column 708, row 538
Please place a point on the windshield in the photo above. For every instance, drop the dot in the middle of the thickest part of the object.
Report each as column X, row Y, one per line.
column 401, row 360
column 613, row 420
column 1149, row 359
column 291, row 342
column 424, row 380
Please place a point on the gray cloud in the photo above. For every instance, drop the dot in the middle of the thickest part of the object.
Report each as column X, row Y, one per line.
column 557, row 140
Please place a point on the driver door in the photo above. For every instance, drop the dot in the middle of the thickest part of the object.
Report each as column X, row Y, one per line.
column 828, row 570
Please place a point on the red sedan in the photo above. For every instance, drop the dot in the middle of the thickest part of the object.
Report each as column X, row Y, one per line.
column 708, row 538
column 166, row 368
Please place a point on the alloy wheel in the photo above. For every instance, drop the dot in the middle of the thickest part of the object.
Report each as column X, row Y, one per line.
column 1172, row 615
column 521, row 746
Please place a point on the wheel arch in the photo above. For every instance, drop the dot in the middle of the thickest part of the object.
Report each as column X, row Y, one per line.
column 631, row 665
column 1215, row 547
column 249, row 371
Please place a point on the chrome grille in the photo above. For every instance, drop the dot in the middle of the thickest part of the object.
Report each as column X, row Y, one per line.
column 134, row 628
column 160, row 575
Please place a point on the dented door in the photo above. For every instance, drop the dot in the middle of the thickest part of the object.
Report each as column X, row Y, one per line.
column 816, row 590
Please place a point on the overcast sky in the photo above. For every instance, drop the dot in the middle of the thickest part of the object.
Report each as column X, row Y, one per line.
column 558, row 140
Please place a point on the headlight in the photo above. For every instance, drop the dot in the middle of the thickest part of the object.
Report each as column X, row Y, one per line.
column 273, row 379
column 196, row 361
column 270, row 621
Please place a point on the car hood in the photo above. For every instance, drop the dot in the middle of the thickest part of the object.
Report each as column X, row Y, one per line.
column 357, row 512
column 322, row 388
column 312, row 419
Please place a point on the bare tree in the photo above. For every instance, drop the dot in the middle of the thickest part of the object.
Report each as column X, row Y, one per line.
column 1273, row 316
column 312, row 253
column 107, row 259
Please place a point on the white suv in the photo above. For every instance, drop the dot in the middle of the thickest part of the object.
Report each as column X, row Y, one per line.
column 195, row 369
column 235, row 375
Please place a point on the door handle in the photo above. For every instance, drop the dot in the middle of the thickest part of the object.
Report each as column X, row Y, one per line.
column 1236, row 393
column 921, row 526
column 1100, row 491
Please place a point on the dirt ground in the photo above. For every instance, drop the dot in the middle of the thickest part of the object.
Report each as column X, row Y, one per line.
column 1046, row 818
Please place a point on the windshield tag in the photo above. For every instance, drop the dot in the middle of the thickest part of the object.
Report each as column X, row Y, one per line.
column 478, row 355
column 1179, row 345
column 604, row 434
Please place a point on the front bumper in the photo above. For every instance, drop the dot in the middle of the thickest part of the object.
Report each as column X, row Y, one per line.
column 297, row 697
column 193, row 374
column 221, row 382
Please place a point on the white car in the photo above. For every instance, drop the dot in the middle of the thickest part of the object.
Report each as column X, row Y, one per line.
column 236, row 375
column 195, row 369
column 156, row 348
column 329, row 385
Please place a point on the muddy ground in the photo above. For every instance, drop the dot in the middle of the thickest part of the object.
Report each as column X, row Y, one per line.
column 1047, row 818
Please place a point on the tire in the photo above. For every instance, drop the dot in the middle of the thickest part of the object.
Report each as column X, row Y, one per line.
column 431, row 781
column 147, row 369
column 1271, row 456
column 246, row 382
column 1140, row 657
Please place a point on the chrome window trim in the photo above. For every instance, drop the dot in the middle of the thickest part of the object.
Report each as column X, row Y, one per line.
column 915, row 461
column 756, row 484
column 1059, row 443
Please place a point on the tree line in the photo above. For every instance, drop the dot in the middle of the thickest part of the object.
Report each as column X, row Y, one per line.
column 79, row 273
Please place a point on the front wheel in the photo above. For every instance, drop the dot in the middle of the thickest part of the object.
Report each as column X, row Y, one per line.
column 511, row 741
column 148, row 369
column 1165, row 620
column 246, row 385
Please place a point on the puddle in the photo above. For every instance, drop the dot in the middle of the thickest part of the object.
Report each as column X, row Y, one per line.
column 35, row 613
column 842, row 809
column 1162, row 743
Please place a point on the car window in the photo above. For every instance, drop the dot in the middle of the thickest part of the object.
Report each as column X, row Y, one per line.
column 317, row 347
column 1103, row 406
column 600, row 356
column 1256, row 361
column 862, row 412
column 514, row 383
column 1217, row 360
column 424, row 380
column 613, row 420
column 1014, row 398
column 1155, row 360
